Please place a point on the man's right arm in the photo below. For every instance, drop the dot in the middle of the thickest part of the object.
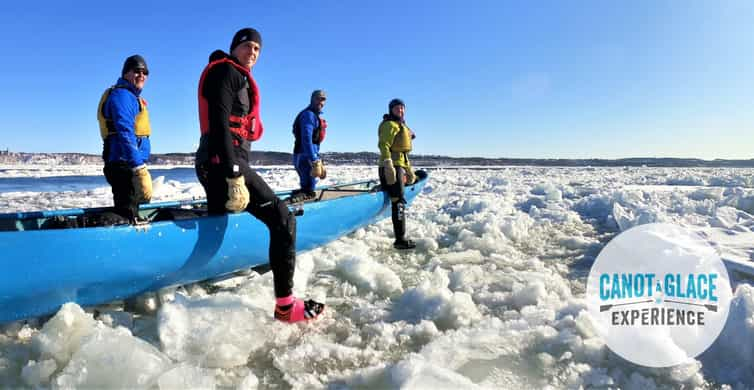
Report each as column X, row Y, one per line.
column 387, row 136
column 122, row 108
column 219, row 89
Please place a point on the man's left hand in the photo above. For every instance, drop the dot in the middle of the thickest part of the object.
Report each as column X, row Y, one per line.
column 143, row 184
column 410, row 176
column 318, row 169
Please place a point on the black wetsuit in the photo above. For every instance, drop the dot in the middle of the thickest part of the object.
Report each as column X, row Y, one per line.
column 223, row 154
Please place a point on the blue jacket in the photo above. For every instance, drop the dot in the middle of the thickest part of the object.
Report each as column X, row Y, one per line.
column 121, row 107
column 307, row 122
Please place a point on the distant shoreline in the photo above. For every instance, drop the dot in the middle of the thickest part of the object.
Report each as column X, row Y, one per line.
column 370, row 158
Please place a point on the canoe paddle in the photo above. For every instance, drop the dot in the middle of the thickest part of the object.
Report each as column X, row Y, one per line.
column 608, row 307
column 709, row 307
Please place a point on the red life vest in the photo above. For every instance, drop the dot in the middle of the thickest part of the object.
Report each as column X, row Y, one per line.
column 248, row 127
column 322, row 131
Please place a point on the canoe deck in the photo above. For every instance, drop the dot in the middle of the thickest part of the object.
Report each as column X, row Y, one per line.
column 155, row 212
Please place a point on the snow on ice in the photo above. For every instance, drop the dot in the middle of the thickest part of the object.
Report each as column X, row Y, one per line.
column 493, row 296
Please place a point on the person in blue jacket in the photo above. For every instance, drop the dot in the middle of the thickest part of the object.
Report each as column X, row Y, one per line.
column 309, row 130
column 125, row 130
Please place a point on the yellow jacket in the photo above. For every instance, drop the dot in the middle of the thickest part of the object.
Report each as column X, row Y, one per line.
column 394, row 143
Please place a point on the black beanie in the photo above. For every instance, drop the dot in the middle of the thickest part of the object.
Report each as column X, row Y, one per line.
column 245, row 35
column 134, row 62
column 393, row 103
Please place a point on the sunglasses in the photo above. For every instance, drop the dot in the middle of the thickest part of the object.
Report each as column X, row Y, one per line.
column 142, row 71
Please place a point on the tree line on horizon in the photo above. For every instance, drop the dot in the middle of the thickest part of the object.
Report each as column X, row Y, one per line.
column 370, row 158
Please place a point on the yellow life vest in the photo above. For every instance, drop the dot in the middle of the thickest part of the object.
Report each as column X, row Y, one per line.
column 141, row 122
column 402, row 141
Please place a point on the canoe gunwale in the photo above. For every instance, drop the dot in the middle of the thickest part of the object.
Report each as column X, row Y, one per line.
column 36, row 220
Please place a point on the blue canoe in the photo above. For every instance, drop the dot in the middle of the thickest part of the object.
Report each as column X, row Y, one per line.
column 46, row 263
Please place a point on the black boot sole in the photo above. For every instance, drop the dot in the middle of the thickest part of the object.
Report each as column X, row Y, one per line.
column 404, row 246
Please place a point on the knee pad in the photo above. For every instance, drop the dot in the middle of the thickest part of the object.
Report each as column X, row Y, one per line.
column 399, row 208
column 290, row 224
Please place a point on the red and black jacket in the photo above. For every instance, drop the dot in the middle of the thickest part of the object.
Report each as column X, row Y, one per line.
column 228, row 115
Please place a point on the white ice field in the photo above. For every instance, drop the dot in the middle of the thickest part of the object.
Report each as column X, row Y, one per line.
column 493, row 297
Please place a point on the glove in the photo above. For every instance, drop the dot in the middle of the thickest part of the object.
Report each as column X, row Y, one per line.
column 143, row 184
column 238, row 194
column 324, row 171
column 389, row 170
column 318, row 169
column 410, row 176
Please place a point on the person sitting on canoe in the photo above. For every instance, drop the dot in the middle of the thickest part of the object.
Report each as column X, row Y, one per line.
column 395, row 168
column 309, row 131
column 124, row 127
column 229, row 121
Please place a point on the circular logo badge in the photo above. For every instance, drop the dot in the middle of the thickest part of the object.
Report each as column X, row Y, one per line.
column 659, row 295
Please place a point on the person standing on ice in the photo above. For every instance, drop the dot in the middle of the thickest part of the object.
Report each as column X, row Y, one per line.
column 309, row 131
column 229, row 121
column 124, row 127
column 395, row 168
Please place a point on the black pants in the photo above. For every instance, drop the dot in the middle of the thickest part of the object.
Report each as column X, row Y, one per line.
column 268, row 208
column 122, row 180
column 398, row 201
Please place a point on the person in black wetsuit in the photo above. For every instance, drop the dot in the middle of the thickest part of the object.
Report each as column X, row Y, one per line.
column 229, row 121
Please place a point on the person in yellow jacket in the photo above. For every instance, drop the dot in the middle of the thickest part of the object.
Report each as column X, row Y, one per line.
column 395, row 170
column 124, row 126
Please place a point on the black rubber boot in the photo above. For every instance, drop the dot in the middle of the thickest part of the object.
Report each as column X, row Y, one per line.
column 399, row 227
column 404, row 244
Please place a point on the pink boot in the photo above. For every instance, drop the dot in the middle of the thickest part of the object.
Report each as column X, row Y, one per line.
column 290, row 309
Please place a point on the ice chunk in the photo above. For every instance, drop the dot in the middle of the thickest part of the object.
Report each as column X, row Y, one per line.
column 218, row 331
column 367, row 274
column 62, row 335
column 715, row 193
column 107, row 351
column 249, row 382
column 731, row 357
column 36, row 374
column 447, row 309
column 186, row 376
column 415, row 372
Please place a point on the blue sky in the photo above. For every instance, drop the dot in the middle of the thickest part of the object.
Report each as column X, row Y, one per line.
column 569, row 79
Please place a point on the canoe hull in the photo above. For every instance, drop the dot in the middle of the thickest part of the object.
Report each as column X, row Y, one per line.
column 89, row 266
